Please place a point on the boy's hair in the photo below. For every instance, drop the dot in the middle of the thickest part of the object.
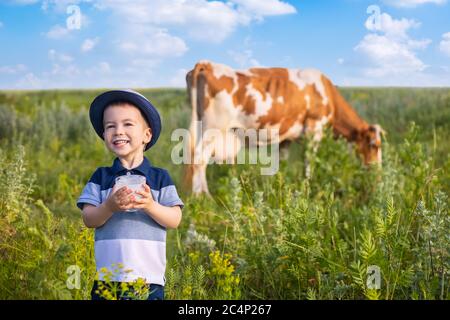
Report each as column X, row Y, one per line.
column 121, row 102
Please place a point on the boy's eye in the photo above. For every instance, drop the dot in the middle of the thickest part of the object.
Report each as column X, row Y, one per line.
column 128, row 124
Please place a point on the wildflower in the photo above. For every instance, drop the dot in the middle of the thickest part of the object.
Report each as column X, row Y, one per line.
column 193, row 237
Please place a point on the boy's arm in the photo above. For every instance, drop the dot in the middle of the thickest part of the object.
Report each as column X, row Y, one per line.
column 169, row 217
column 94, row 217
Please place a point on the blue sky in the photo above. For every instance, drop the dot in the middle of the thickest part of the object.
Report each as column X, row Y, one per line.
column 153, row 43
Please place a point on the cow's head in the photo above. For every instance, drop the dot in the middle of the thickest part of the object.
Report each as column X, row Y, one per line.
column 368, row 141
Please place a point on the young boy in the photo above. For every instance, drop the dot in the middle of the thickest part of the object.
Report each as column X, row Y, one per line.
column 135, row 241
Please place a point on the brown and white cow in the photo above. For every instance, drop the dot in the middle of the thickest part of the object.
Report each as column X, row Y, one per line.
column 294, row 101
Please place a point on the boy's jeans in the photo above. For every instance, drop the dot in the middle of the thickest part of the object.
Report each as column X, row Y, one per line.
column 156, row 292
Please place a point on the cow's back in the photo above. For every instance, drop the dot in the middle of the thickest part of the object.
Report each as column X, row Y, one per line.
column 258, row 98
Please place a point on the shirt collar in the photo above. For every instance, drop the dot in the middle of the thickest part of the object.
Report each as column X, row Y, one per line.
column 118, row 168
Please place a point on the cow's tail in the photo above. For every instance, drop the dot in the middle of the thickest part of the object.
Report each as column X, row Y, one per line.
column 195, row 87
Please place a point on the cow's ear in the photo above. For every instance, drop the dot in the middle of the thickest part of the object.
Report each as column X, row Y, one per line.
column 377, row 128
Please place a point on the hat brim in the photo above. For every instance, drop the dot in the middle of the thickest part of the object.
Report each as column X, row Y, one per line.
column 100, row 103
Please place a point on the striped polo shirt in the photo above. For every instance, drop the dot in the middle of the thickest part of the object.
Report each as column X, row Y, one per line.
column 131, row 245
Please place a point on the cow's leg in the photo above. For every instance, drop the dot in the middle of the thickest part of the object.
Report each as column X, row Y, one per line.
column 197, row 178
column 223, row 146
column 203, row 153
column 199, row 182
column 312, row 147
column 284, row 149
column 208, row 150
column 307, row 166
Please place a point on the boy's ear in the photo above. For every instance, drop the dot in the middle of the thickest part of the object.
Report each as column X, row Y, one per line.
column 150, row 133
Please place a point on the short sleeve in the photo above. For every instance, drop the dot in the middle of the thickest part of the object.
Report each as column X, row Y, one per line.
column 168, row 195
column 91, row 192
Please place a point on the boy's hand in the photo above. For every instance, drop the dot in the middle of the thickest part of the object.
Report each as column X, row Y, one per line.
column 146, row 201
column 120, row 199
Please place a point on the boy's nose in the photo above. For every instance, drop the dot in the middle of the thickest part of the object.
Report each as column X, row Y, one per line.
column 119, row 130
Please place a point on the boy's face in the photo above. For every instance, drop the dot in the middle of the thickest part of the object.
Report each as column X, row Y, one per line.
column 125, row 130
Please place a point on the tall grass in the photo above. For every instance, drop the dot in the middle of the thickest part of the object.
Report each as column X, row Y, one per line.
column 258, row 237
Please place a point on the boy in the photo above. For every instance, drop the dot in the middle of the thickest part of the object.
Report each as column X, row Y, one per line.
column 134, row 240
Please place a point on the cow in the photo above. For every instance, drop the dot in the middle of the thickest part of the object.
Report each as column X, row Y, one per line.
column 296, row 102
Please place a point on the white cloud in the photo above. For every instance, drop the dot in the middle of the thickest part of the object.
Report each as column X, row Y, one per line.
column 387, row 56
column 89, row 44
column 389, row 50
column 19, row 68
column 57, row 32
column 444, row 45
column 101, row 69
column 390, row 26
column 96, row 75
column 61, row 67
column 153, row 42
column 266, row 7
column 412, row 3
column 430, row 77
column 71, row 76
column 141, row 66
column 23, row 2
column 70, row 24
column 55, row 56
column 145, row 63
column 148, row 32
column 181, row 9
column 201, row 19
column 85, row 21
column 61, row 6
column 244, row 59
column 29, row 81
column 148, row 27
column 211, row 21
column 68, row 71
column 104, row 67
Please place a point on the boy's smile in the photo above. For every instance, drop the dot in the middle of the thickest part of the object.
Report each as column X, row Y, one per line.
column 125, row 131
column 120, row 142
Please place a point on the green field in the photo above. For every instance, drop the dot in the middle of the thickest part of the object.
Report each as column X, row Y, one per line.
column 259, row 237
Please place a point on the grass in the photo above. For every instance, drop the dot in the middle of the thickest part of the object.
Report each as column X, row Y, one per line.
column 258, row 237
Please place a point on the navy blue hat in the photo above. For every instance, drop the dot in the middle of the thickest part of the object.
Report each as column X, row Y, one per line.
column 150, row 113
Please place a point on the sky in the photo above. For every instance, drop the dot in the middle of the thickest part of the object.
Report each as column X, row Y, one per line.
column 46, row 44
